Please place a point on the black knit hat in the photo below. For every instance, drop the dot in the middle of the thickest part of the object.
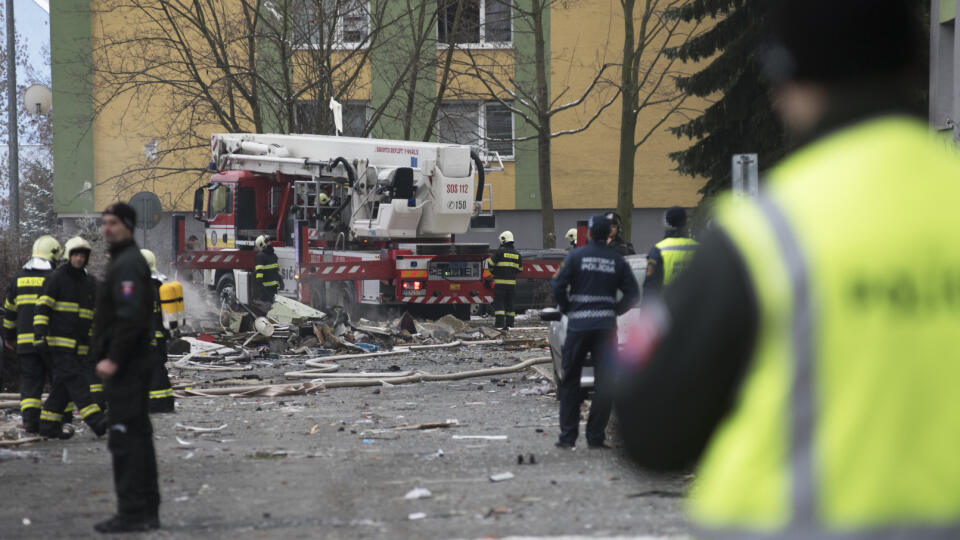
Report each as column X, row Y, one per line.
column 675, row 217
column 841, row 41
column 124, row 213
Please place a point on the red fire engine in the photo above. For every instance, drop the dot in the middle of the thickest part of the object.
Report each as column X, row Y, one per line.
column 354, row 222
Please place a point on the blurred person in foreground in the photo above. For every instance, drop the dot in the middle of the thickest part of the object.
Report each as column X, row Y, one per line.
column 122, row 332
column 810, row 373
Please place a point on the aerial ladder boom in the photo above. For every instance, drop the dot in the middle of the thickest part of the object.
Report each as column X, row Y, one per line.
column 387, row 188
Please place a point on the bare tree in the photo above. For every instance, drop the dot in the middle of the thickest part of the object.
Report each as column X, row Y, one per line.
column 647, row 81
column 237, row 66
column 533, row 102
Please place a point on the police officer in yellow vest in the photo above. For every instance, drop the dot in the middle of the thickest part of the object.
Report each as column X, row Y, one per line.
column 810, row 373
column 670, row 256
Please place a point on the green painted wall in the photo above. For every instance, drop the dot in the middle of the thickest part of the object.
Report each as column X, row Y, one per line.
column 948, row 10
column 387, row 64
column 72, row 78
column 527, row 175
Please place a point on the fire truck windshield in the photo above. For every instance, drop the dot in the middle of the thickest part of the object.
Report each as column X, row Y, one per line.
column 221, row 200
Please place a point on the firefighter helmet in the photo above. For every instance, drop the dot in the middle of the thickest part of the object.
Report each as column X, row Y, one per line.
column 46, row 247
column 261, row 242
column 323, row 199
column 151, row 260
column 74, row 244
column 571, row 236
column 506, row 237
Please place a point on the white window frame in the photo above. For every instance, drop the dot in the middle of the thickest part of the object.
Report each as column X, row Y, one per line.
column 483, row 44
column 338, row 43
column 481, row 107
column 367, row 111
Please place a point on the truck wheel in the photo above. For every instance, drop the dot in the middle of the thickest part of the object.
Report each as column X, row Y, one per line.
column 462, row 311
column 226, row 288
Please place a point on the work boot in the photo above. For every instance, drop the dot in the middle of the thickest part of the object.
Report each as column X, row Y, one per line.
column 52, row 430
column 99, row 425
column 122, row 523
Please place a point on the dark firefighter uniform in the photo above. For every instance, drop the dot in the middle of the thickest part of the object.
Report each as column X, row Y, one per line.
column 123, row 331
column 505, row 264
column 61, row 327
column 585, row 289
column 266, row 274
column 22, row 296
column 161, row 392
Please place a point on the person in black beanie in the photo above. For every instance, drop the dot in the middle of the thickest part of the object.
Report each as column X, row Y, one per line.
column 123, row 328
column 670, row 256
column 810, row 376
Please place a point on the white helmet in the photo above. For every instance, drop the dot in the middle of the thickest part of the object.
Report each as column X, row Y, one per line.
column 150, row 258
column 571, row 236
column 47, row 248
column 261, row 242
column 506, row 237
column 74, row 244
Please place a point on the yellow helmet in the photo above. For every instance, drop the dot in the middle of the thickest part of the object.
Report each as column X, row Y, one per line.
column 506, row 237
column 323, row 199
column 75, row 243
column 572, row 236
column 151, row 260
column 261, row 242
column 46, row 247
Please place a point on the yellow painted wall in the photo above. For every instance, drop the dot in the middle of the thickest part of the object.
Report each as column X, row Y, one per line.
column 585, row 35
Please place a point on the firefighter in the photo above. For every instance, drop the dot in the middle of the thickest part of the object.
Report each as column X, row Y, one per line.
column 586, row 292
column 22, row 295
column 571, row 237
column 670, row 256
column 61, row 329
column 505, row 264
column 266, row 271
column 616, row 237
column 123, row 330
column 161, row 392
column 817, row 386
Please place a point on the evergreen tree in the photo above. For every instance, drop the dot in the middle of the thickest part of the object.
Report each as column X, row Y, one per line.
column 741, row 120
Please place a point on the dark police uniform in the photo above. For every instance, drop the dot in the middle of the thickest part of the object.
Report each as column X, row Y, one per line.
column 266, row 274
column 61, row 326
column 22, row 296
column 123, row 330
column 505, row 264
column 594, row 273
column 622, row 247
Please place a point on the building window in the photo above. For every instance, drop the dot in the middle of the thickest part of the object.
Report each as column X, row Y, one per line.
column 488, row 125
column 315, row 117
column 482, row 22
column 314, row 20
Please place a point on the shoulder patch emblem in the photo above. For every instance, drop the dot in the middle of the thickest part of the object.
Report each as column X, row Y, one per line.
column 126, row 288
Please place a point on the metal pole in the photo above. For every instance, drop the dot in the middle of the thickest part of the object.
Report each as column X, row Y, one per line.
column 13, row 148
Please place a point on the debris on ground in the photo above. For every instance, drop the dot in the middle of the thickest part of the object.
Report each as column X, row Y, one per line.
column 418, row 493
column 500, row 477
column 7, row 455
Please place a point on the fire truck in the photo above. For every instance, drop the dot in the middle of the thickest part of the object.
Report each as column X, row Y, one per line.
column 355, row 222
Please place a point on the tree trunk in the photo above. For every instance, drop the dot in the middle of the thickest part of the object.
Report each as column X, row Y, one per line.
column 628, row 124
column 543, row 133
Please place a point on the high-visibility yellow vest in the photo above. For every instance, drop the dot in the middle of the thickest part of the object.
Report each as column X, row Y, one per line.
column 677, row 254
column 848, row 420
